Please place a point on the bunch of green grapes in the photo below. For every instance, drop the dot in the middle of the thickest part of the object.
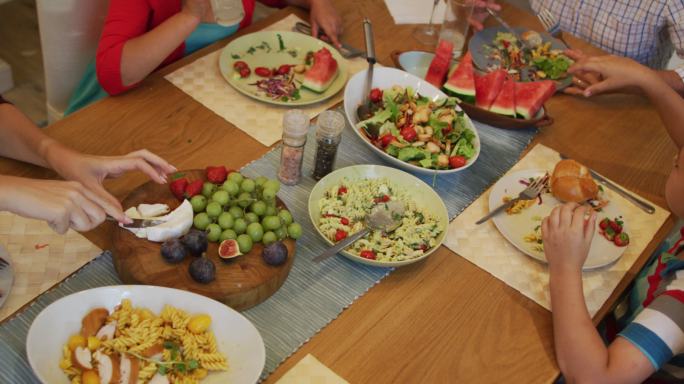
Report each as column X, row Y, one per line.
column 245, row 210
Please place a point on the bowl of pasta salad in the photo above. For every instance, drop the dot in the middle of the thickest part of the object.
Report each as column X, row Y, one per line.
column 143, row 334
column 339, row 202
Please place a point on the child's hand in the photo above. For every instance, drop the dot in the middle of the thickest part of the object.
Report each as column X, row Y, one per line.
column 324, row 16
column 196, row 8
column 480, row 13
column 567, row 235
column 614, row 73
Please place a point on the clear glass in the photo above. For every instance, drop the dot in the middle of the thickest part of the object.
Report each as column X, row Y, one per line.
column 428, row 34
column 455, row 26
column 227, row 12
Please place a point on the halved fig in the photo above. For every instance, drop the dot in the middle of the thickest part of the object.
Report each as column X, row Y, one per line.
column 229, row 249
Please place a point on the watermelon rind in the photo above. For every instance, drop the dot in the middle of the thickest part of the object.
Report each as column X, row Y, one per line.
column 504, row 104
column 323, row 65
column 530, row 97
column 461, row 82
column 319, row 87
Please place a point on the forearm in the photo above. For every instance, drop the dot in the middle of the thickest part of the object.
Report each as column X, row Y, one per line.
column 670, row 107
column 141, row 55
column 580, row 351
column 672, row 79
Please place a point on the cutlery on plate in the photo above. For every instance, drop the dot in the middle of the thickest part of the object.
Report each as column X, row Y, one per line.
column 509, row 29
column 531, row 192
column 551, row 24
column 347, row 51
column 139, row 223
column 363, row 112
column 384, row 217
column 6, row 275
column 646, row 207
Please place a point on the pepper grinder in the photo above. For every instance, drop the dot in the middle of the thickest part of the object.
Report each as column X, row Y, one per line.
column 328, row 136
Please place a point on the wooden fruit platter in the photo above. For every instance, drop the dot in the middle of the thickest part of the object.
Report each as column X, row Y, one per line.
column 241, row 283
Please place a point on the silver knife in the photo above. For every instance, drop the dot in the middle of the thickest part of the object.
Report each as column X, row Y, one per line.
column 646, row 207
column 346, row 50
column 509, row 29
column 139, row 223
column 6, row 275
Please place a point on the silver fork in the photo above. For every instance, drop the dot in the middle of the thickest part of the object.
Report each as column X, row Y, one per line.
column 550, row 23
column 531, row 192
column 3, row 264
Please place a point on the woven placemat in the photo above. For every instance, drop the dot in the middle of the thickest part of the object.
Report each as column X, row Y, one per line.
column 41, row 258
column 485, row 247
column 202, row 81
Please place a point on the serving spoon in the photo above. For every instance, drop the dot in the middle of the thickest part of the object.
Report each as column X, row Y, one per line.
column 385, row 217
column 364, row 110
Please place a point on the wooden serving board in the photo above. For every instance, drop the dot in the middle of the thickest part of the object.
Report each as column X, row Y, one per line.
column 241, row 283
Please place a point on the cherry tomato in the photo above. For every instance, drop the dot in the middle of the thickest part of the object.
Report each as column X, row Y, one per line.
column 262, row 71
column 245, row 72
column 382, row 199
column 621, row 240
column 386, row 139
column 344, row 221
column 340, row 235
column 366, row 254
column 457, row 161
column 447, row 130
column 238, row 65
column 617, row 228
column 329, row 215
column 423, row 247
column 341, row 190
column 604, row 223
column 409, row 133
column 375, row 95
column 284, row 69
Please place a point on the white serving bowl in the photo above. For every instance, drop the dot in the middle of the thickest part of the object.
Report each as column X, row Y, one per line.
column 424, row 196
column 383, row 78
column 237, row 338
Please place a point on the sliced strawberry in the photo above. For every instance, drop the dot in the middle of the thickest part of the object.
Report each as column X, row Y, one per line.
column 621, row 239
column 194, row 188
column 178, row 187
column 217, row 175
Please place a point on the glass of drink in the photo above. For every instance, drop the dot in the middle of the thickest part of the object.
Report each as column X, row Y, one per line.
column 455, row 26
column 427, row 34
column 227, row 12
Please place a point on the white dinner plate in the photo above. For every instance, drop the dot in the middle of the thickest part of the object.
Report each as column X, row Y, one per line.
column 237, row 338
column 515, row 227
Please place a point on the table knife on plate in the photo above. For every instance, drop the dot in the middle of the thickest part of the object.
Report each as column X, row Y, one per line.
column 6, row 275
column 346, row 50
column 139, row 223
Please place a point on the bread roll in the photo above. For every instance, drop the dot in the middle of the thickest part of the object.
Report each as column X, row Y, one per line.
column 572, row 182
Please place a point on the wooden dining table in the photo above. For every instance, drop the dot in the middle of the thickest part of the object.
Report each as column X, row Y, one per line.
column 441, row 320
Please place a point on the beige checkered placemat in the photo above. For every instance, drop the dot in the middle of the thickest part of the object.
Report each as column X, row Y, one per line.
column 485, row 247
column 202, row 80
column 40, row 257
column 310, row 371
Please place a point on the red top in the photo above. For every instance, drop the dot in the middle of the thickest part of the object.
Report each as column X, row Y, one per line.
column 127, row 19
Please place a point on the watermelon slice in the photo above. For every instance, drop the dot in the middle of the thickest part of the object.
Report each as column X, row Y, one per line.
column 461, row 83
column 504, row 104
column 322, row 73
column 487, row 87
column 529, row 97
column 439, row 66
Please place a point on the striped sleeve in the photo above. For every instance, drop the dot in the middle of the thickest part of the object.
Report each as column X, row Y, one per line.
column 658, row 331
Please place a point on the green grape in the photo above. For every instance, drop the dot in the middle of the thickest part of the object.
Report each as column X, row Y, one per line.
column 228, row 234
column 271, row 210
column 281, row 233
column 240, row 226
column 258, row 207
column 272, row 184
column 225, row 220
column 199, row 203
column 236, row 177
column 255, row 231
column 269, row 193
column 294, row 230
column 248, row 186
column 213, row 232
column 269, row 237
column 260, row 181
column 251, row 217
column 271, row 222
column 201, row 221
column 237, row 212
column 245, row 243
column 270, row 202
column 231, row 187
column 221, row 197
column 244, row 200
column 285, row 217
column 214, row 209
column 208, row 189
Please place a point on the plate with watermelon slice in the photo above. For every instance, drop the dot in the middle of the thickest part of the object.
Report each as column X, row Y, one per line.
column 283, row 68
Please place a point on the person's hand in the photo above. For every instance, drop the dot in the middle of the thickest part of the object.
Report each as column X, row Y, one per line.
column 609, row 73
column 581, row 80
column 62, row 204
column 567, row 233
column 196, row 8
column 325, row 17
column 480, row 13
column 90, row 171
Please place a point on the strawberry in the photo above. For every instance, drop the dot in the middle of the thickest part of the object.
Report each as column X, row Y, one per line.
column 605, row 223
column 217, row 175
column 194, row 188
column 621, row 240
column 178, row 187
column 615, row 226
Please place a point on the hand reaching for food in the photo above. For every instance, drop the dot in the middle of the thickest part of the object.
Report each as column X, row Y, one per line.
column 604, row 74
column 480, row 13
column 325, row 17
column 567, row 234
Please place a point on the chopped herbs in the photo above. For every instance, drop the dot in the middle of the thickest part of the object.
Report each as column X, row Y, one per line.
column 281, row 44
